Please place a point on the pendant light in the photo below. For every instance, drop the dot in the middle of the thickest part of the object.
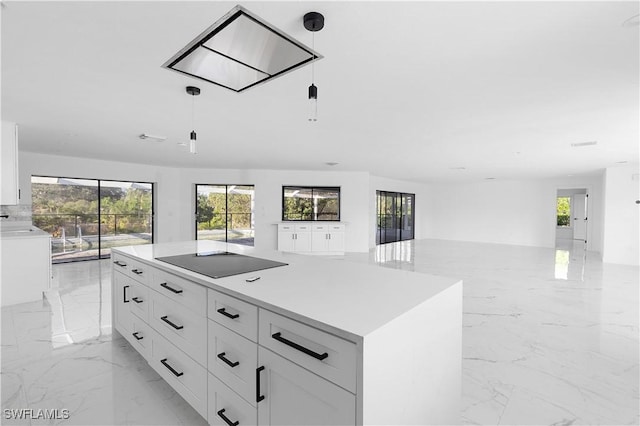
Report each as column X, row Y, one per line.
column 314, row 22
column 193, row 91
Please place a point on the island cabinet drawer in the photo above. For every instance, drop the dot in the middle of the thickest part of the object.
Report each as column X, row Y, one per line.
column 327, row 355
column 179, row 290
column 137, row 270
column 227, row 408
column 141, row 337
column 181, row 326
column 235, row 314
column 121, row 263
column 139, row 296
column 185, row 375
column 233, row 359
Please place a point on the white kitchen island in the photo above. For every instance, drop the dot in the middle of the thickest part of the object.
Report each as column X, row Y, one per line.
column 318, row 341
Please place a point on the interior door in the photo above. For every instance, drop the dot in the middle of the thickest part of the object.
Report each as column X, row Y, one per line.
column 579, row 215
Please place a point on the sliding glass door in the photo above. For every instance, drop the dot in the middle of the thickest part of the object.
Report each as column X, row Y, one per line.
column 225, row 213
column 395, row 216
column 87, row 217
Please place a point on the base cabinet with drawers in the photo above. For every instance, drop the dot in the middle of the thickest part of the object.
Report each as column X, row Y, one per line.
column 314, row 238
column 237, row 362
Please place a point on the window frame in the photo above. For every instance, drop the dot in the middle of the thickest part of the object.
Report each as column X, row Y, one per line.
column 337, row 189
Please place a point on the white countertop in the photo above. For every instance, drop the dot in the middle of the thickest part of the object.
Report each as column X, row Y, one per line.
column 350, row 297
column 8, row 231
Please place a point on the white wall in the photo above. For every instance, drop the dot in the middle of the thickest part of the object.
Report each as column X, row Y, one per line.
column 622, row 215
column 521, row 212
column 175, row 193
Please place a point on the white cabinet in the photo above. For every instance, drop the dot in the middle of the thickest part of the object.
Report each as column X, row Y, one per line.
column 121, row 302
column 316, row 238
column 294, row 396
column 9, row 195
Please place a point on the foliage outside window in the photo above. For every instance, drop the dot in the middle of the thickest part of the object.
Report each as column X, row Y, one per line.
column 563, row 211
column 307, row 203
column 225, row 213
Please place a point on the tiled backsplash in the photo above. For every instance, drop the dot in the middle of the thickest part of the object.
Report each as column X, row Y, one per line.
column 19, row 213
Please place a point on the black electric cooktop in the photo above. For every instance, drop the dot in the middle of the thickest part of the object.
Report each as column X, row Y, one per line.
column 219, row 264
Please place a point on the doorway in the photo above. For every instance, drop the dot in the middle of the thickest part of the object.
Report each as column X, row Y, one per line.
column 225, row 213
column 571, row 215
column 395, row 216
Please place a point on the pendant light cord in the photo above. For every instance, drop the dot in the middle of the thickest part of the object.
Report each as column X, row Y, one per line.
column 313, row 60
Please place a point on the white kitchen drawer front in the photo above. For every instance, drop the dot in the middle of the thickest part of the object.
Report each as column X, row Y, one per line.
column 235, row 314
column 179, row 290
column 141, row 337
column 180, row 325
column 285, row 227
column 139, row 271
column 320, row 228
column 233, row 359
column 325, row 354
column 336, row 227
column 121, row 263
column 226, row 407
column 302, row 228
column 139, row 295
column 185, row 375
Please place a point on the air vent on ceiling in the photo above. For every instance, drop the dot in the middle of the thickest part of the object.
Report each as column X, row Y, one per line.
column 575, row 145
column 240, row 51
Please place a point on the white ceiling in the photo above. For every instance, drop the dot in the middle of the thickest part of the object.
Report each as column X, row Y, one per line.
column 406, row 90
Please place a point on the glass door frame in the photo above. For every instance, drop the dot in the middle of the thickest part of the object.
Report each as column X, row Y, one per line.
column 400, row 202
column 226, row 207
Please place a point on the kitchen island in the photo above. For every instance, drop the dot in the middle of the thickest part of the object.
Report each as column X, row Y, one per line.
column 315, row 341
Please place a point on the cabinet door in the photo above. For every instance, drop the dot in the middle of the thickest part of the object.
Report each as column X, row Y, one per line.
column 295, row 396
column 303, row 241
column 9, row 158
column 286, row 241
column 121, row 303
column 319, row 241
column 336, row 241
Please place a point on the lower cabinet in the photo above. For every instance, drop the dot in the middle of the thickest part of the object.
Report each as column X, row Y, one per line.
column 314, row 238
column 226, row 407
column 294, row 396
column 121, row 301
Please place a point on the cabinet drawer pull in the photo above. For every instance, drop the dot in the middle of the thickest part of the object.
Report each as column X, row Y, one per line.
column 226, row 420
column 120, row 264
column 124, row 294
column 136, row 336
column 224, row 312
column 177, row 327
column 137, row 271
column 258, row 396
column 164, row 362
column 226, row 361
column 137, row 299
column 170, row 288
column 279, row 338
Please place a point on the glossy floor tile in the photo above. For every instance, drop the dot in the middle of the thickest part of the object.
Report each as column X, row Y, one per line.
column 550, row 337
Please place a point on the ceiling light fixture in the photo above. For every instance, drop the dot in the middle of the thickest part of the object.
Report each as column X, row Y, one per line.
column 193, row 91
column 584, row 144
column 145, row 136
column 240, row 51
column 314, row 22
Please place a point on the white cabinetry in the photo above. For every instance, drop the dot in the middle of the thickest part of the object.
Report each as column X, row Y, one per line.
column 9, row 195
column 316, row 238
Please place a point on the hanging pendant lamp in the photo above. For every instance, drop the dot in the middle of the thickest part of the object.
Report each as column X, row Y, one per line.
column 314, row 22
column 193, row 91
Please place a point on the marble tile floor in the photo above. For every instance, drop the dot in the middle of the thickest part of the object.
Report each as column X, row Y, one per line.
column 550, row 337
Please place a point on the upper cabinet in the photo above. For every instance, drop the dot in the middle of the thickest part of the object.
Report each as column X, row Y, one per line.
column 9, row 195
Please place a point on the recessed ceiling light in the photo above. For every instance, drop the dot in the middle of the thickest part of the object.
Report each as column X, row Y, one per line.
column 331, row 163
column 457, row 168
column 584, row 143
column 489, row 178
column 240, row 51
column 156, row 138
column 621, row 162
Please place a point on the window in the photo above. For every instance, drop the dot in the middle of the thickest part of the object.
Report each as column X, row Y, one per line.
column 310, row 203
column 225, row 213
column 396, row 219
column 87, row 217
column 563, row 211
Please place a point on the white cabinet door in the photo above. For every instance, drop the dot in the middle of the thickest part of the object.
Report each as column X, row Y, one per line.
column 286, row 241
column 303, row 241
column 336, row 242
column 295, row 396
column 122, row 303
column 9, row 165
column 319, row 241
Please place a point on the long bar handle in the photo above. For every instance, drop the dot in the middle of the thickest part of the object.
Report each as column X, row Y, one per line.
column 177, row 327
column 119, row 263
column 258, row 396
column 164, row 362
column 170, row 288
column 136, row 336
column 224, row 312
column 231, row 364
column 226, row 419
column 124, row 294
column 137, row 299
column 279, row 338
